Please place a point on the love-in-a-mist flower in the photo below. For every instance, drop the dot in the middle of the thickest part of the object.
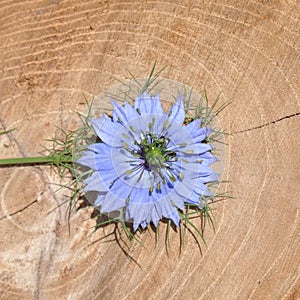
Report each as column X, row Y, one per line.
column 148, row 164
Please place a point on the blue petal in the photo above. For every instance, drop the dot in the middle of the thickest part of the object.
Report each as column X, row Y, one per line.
column 190, row 168
column 185, row 187
column 198, row 133
column 207, row 158
column 193, row 126
column 155, row 221
column 125, row 112
column 174, row 217
column 121, row 189
column 202, row 148
column 201, row 134
column 106, row 129
column 112, row 202
column 132, row 130
column 193, row 149
column 100, row 199
column 194, row 199
column 140, row 196
column 139, row 179
column 95, row 161
column 148, row 104
column 164, row 207
column 204, row 171
column 177, row 112
column 88, row 159
column 209, row 178
column 95, row 183
column 100, row 148
column 139, row 207
column 144, row 208
column 175, row 198
column 156, row 121
column 202, row 189
column 188, row 185
column 178, row 134
column 155, row 216
column 109, row 177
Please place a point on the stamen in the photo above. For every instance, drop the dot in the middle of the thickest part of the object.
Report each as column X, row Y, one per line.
column 135, row 154
column 189, row 151
column 125, row 145
column 151, row 189
column 132, row 129
column 141, row 175
column 126, row 136
column 173, row 178
column 165, row 124
column 181, row 176
column 158, row 187
column 161, row 177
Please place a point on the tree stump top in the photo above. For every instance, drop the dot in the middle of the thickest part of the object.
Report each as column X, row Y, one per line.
column 55, row 52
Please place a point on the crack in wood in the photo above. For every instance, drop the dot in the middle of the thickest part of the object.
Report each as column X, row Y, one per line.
column 267, row 124
column 19, row 211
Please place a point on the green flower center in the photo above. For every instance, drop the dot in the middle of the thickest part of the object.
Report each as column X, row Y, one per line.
column 154, row 157
column 154, row 151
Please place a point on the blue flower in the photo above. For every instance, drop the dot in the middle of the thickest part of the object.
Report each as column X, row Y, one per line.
column 148, row 163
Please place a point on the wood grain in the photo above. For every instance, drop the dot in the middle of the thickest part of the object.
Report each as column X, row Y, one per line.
column 54, row 52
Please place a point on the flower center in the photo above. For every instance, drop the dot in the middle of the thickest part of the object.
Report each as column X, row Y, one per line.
column 154, row 157
column 154, row 151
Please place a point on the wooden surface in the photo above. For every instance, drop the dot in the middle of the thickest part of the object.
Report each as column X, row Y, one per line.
column 54, row 52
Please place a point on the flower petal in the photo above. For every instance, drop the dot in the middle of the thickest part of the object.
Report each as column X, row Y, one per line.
column 147, row 104
column 106, row 129
column 112, row 202
column 88, row 159
column 138, row 207
column 196, row 132
column 177, row 112
column 193, row 149
column 95, row 183
column 176, row 199
column 212, row 177
column 125, row 112
column 194, row 199
column 95, row 161
column 164, row 207
column 185, row 187
column 100, row 199
column 207, row 158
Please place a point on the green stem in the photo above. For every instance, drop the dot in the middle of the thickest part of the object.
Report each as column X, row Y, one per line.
column 29, row 161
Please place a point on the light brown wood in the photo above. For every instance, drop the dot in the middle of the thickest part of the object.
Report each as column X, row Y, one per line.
column 53, row 52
